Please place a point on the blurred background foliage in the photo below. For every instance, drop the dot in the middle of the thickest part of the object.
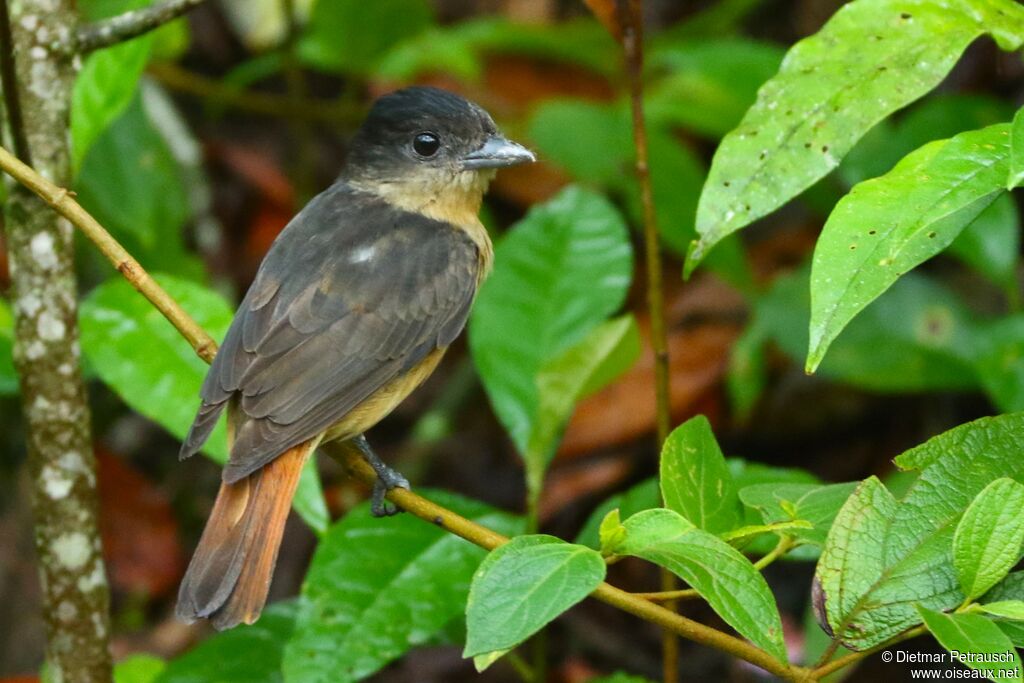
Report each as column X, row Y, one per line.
column 195, row 144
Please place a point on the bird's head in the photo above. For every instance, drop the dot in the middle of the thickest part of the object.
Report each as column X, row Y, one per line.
column 430, row 150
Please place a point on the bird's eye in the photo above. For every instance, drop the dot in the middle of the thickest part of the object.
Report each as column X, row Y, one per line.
column 426, row 144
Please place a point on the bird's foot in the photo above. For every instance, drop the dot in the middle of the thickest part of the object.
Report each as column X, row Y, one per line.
column 387, row 479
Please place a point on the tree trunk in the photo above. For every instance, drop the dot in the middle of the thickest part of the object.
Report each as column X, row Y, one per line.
column 61, row 462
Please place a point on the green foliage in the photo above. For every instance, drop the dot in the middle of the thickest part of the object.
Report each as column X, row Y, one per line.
column 725, row 578
column 817, row 504
column 882, row 555
column 975, row 637
column 695, row 480
column 1008, row 609
column 379, row 586
column 990, row 244
column 1016, row 174
column 140, row 355
column 351, row 36
column 872, row 58
column 245, row 654
column 642, row 496
column 558, row 275
column 522, row 586
column 620, row 678
column 8, row 376
column 103, row 89
column 138, row 669
column 988, row 538
column 889, row 225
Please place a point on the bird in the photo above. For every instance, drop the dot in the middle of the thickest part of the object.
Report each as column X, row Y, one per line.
column 350, row 310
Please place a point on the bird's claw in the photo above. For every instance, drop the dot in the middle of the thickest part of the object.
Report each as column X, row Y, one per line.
column 387, row 479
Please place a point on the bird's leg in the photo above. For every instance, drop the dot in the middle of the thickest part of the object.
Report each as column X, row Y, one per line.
column 387, row 479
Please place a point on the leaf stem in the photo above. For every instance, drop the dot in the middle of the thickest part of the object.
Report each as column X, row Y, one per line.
column 784, row 545
column 666, row 596
column 124, row 27
column 630, row 14
column 828, row 668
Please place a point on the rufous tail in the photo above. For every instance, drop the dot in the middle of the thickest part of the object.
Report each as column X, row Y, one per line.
column 229, row 576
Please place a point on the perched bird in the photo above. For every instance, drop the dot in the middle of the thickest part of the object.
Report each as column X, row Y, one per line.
column 352, row 308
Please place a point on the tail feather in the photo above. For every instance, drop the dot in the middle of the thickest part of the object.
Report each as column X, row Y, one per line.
column 230, row 573
column 202, row 427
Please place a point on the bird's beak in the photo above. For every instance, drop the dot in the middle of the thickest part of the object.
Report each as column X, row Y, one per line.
column 497, row 152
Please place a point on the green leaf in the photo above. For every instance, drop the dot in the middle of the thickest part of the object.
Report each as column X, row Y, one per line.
column 880, row 558
column 522, row 586
column 611, row 532
column 103, row 89
column 563, row 270
column 1016, row 174
column 889, row 225
column 8, row 375
column 606, row 352
column 871, row 58
column 997, row 360
column 138, row 668
column 379, row 586
column 140, row 355
column 708, row 84
column 918, row 336
column 740, row 536
column 991, row 242
column 814, row 503
column 725, row 578
column 1010, row 588
column 988, row 538
column 351, row 36
column 747, row 374
column 695, row 480
column 245, row 654
column 1007, row 609
column 642, row 496
column 974, row 636
column 620, row 677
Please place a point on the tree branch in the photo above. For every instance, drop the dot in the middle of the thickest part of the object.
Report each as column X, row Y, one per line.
column 61, row 202
column 40, row 247
column 123, row 27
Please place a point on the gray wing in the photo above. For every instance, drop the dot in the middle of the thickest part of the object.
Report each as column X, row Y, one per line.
column 352, row 293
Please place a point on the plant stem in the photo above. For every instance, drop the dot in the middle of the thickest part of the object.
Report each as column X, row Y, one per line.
column 828, row 668
column 784, row 545
column 61, row 201
column 668, row 596
column 37, row 83
column 631, row 23
column 129, row 25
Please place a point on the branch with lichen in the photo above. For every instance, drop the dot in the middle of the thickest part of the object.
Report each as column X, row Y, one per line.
column 122, row 27
column 37, row 83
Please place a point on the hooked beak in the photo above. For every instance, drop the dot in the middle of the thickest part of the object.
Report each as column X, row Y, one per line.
column 497, row 152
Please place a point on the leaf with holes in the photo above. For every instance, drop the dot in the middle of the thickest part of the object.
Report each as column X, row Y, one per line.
column 378, row 586
column 889, row 225
column 872, row 58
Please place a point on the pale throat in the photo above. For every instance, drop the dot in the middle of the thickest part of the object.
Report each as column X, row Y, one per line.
column 449, row 198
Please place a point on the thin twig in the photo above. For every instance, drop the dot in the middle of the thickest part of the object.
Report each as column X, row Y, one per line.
column 631, row 23
column 828, row 668
column 8, row 77
column 348, row 455
column 123, row 27
column 176, row 78
column 670, row 596
column 61, row 202
column 345, row 453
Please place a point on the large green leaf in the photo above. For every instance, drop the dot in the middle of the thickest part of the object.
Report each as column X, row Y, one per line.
column 586, row 366
column 1016, row 174
column 103, row 89
column 140, row 355
column 722, row 576
column 379, row 586
column 695, row 479
column 872, row 58
column 138, row 668
column 557, row 275
column 707, row 85
column 881, row 557
column 997, row 360
column 245, row 654
column 991, row 243
column 889, row 225
column 979, row 642
column 351, row 36
column 522, row 586
column 988, row 538
column 816, row 503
